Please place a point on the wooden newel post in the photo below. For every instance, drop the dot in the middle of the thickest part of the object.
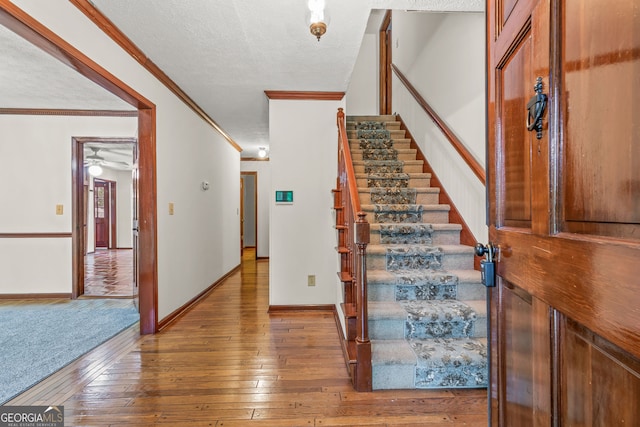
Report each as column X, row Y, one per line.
column 363, row 380
column 340, row 114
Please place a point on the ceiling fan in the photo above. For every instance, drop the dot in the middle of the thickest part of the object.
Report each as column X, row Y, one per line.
column 97, row 159
column 95, row 162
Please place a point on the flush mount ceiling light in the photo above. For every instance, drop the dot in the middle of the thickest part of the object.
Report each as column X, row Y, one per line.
column 262, row 152
column 318, row 18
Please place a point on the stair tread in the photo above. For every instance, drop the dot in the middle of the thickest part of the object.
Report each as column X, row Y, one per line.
column 386, row 310
column 416, row 277
column 439, row 310
column 418, row 189
column 388, row 352
column 438, row 207
column 374, row 249
column 427, row 310
column 467, row 276
column 423, row 352
column 446, row 352
column 392, row 175
column 400, row 140
column 376, row 226
column 371, row 117
column 399, row 150
column 406, row 162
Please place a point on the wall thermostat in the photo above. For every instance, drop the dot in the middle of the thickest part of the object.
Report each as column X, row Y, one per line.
column 284, row 197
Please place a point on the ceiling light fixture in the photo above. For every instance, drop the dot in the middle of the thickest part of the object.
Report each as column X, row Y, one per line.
column 95, row 170
column 318, row 18
column 262, row 152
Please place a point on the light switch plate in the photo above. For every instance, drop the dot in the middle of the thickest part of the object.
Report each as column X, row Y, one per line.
column 59, row 209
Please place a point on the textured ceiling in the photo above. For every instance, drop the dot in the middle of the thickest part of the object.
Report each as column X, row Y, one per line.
column 30, row 78
column 225, row 54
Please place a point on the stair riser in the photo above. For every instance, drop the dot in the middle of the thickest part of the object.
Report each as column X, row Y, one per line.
column 422, row 198
column 413, row 183
column 472, row 376
column 410, row 168
column 387, row 125
column 370, row 118
column 397, row 329
column 392, row 292
column 455, row 261
column 428, row 216
column 386, row 329
column 471, row 291
column 393, row 134
column 452, row 329
column 402, row 155
column 354, row 144
column 438, row 237
column 393, row 377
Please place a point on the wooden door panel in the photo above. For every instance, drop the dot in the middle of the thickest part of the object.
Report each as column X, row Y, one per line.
column 601, row 184
column 517, row 320
column 101, row 213
column 601, row 384
column 514, row 78
column 524, row 342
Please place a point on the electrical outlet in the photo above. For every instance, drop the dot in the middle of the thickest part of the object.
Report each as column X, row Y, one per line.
column 59, row 209
column 311, row 280
column 171, row 208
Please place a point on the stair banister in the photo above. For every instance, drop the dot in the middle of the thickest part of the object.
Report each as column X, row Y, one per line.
column 358, row 239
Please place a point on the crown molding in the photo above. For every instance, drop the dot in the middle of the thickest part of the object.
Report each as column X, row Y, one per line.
column 63, row 112
column 304, row 95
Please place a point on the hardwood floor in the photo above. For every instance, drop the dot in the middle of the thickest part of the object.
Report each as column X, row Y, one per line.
column 229, row 363
column 109, row 273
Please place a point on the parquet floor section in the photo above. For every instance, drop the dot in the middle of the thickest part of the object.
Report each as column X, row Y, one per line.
column 229, row 363
column 109, row 273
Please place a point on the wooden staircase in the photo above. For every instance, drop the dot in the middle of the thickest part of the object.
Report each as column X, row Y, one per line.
column 425, row 321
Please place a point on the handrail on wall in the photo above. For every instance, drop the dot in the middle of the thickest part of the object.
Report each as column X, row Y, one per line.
column 476, row 167
column 355, row 238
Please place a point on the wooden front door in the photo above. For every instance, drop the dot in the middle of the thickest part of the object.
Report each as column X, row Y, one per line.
column 101, row 204
column 565, row 212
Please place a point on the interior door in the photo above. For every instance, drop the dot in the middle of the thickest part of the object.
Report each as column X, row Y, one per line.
column 564, row 209
column 135, row 226
column 101, row 212
column 241, row 215
column 385, row 64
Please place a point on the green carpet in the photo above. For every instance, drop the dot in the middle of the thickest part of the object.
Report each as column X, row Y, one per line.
column 37, row 340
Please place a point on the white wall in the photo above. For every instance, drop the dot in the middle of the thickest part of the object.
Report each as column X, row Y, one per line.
column 263, row 169
column 363, row 93
column 200, row 243
column 442, row 55
column 303, row 153
column 35, row 168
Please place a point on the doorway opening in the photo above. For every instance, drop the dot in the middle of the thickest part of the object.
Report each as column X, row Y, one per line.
column 385, row 65
column 249, row 211
column 106, row 212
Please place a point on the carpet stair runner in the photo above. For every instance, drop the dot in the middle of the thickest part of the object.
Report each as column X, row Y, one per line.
column 427, row 307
